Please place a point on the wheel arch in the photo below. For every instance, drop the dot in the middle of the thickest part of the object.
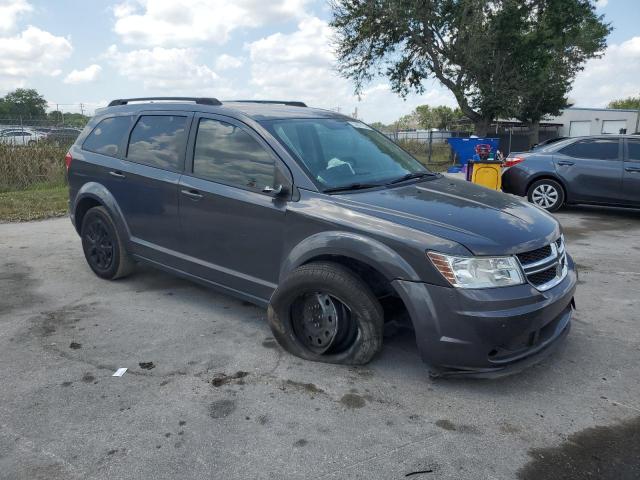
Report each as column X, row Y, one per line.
column 376, row 264
column 93, row 194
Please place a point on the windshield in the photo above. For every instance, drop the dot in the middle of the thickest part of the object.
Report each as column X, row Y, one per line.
column 340, row 153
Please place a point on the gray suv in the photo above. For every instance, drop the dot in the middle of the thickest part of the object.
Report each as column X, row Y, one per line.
column 327, row 223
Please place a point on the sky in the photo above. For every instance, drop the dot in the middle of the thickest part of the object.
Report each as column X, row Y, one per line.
column 89, row 52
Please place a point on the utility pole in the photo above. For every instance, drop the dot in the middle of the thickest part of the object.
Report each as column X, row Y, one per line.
column 82, row 109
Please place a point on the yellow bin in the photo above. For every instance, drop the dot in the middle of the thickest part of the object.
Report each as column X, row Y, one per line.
column 487, row 174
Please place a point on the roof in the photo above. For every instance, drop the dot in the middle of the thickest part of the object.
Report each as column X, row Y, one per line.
column 255, row 111
column 629, row 110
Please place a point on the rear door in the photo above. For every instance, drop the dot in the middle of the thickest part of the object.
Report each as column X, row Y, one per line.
column 142, row 173
column 591, row 169
column 631, row 176
column 233, row 230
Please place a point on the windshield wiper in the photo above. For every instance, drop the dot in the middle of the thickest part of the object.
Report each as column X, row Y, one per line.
column 351, row 186
column 412, row 175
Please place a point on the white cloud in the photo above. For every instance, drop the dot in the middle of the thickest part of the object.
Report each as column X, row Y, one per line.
column 33, row 52
column 9, row 11
column 89, row 74
column 171, row 23
column 613, row 76
column 168, row 70
column 227, row 62
column 601, row 3
column 301, row 66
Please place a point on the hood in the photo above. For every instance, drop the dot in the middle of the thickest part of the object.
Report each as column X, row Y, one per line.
column 486, row 222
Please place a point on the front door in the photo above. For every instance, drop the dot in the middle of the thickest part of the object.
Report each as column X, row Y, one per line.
column 592, row 170
column 631, row 174
column 232, row 224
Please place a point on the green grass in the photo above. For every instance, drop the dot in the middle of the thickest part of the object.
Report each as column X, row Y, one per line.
column 39, row 202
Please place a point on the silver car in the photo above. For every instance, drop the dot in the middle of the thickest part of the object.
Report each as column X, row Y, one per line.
column 20, row 136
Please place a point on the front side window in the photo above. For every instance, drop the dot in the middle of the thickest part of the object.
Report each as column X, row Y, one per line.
column 594, row 149
column 339, row 153
column 107, row 136
column 225, row 153
column 159, row 141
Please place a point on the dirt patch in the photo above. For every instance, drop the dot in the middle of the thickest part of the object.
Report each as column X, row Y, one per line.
column 602, row 221
column 222, row 408
column 603, row 452
column 222, row 378
column 48, row 323
column 309, row 388
column 300, row 443
column 351, row 400
column 88, row 378
column 147, row 365
column 75, row 346
column 452, row 427
column 16, row 287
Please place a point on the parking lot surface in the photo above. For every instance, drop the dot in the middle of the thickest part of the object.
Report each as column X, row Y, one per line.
column 209, row 394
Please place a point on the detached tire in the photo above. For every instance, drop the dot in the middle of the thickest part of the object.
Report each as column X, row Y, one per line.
column 547, row 194
column 103, row 248
column 323, row 312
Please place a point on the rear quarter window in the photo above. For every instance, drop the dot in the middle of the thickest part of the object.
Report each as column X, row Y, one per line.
column 106, row 138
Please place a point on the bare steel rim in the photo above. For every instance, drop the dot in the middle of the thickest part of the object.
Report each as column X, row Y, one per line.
column 323, row 323
column 545, row 195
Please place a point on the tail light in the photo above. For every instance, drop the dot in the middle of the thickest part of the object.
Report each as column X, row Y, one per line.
column 511, row 161
column 67, row 160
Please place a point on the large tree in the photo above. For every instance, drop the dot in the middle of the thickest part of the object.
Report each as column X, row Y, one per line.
column 475, row 48
column 561, row 35
column 25, row 102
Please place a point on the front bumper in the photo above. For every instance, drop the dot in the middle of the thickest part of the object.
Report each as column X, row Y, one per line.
column 488, row 332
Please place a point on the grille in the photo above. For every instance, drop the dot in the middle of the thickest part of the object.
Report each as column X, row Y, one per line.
column 543, row 277
column 535, row 255
column 545, row 267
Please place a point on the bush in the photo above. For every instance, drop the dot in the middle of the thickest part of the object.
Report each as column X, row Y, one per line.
column 26, row 167
column 440, row 152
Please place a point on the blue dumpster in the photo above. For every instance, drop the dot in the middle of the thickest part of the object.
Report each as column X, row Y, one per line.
column 464, row 148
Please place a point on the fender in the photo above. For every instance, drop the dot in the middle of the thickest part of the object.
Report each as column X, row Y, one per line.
column 99, row 192
column 351, row 245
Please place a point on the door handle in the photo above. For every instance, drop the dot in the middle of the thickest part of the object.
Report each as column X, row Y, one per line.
column 632, row 169
column 117, row 174
column 193, row 194
column 566, row 163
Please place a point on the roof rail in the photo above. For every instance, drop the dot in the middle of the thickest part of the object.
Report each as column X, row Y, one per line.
column 201, row 101
column 291, row 103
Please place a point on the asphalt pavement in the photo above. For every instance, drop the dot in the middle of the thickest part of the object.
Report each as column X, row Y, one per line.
column 208, row 393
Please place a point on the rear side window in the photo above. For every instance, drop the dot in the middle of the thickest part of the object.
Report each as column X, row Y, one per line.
column 227, row 154
column 107, row 136
column 159, row 141
column 634, row 149
column 595, row 149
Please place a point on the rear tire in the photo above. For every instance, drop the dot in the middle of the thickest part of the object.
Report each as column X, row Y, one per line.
column 323, row 312
column 103, row 248
column 547, row 194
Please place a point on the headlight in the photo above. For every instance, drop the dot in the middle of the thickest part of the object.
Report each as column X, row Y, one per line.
column 478, row 272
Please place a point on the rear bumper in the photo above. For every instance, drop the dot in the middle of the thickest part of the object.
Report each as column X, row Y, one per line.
column 488, row 332
column 514, row 180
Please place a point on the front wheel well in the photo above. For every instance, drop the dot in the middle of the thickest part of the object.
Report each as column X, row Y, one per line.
column 393, row 306
column 82, row 208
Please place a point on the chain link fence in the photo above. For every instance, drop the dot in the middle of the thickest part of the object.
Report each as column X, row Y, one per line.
column 32, row 152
